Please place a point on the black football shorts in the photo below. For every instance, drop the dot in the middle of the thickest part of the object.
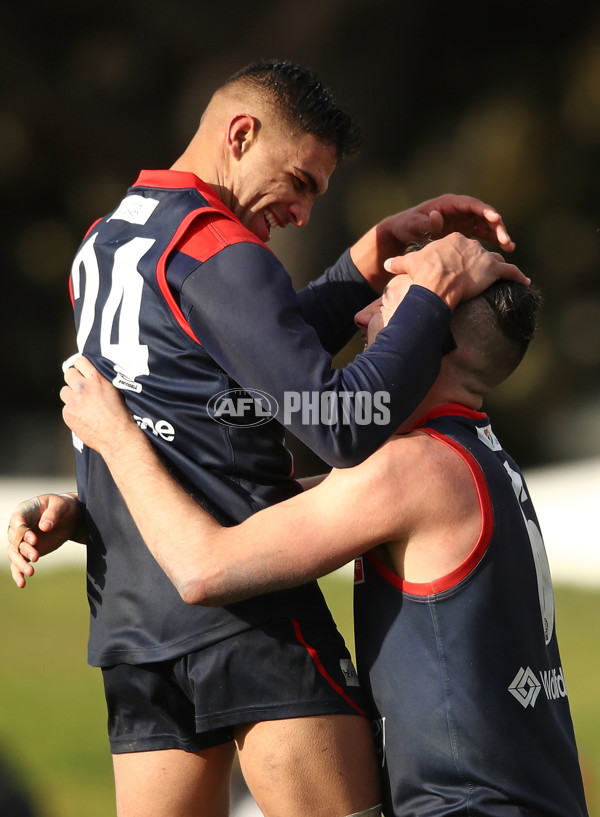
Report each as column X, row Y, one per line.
column 282, row 669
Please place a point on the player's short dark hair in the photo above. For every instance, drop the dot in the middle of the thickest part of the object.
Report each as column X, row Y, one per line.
column 499, row 323
column 304, row 102
column 516, row 308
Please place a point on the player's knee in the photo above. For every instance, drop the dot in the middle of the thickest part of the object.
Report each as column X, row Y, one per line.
column 370, row 812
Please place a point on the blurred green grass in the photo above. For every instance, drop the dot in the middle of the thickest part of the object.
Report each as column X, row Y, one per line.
column 52, row 712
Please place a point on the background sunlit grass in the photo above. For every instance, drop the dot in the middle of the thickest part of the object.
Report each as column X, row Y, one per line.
column 52, row 713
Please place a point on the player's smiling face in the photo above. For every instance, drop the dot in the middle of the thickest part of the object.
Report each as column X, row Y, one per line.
column 278, row 180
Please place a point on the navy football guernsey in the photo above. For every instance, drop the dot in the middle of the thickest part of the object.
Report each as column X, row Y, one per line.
column 176, row 302
column 465, row 673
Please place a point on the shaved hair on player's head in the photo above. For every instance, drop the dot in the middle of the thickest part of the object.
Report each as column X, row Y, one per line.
column 302, row 101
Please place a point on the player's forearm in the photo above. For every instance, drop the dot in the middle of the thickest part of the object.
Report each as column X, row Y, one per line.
column 371, row 251
column 176, row 530
column 209, row 564
column 330, row 303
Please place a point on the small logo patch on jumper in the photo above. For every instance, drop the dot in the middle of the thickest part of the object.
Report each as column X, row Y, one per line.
column 359, row 571
column 487, row 436
column 135, row 209
column 525, row 687
column 349, row 672
column 121, row 381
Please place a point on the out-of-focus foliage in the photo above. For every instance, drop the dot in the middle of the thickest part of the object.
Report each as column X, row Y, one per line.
column 499, row 102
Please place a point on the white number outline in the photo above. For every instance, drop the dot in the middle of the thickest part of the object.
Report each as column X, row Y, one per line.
column 121, row 312
column 540, row 558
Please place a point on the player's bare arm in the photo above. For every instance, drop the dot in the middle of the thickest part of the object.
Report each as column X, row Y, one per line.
column 349, row 512
column 431, row 219
column 210, row 564
column 207, row 563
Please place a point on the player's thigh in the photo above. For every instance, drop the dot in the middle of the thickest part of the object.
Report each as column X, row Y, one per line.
column 324, row 766
column 174, row 783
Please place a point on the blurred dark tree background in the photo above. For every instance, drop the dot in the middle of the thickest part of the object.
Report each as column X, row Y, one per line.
column 501, row 101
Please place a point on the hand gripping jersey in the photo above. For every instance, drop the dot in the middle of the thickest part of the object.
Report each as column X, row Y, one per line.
column 465, row 673
column 189, row 314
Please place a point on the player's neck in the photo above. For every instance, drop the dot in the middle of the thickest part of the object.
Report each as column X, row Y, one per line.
column 440, row 396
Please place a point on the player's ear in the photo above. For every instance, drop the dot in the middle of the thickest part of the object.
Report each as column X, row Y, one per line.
column 241, row 134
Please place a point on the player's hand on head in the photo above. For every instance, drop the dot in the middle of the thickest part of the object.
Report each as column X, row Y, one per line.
column 449, row 213
column 94, row 409
column 455, row 268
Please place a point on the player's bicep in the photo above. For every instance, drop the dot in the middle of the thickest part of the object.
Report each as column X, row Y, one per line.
column 325, row 527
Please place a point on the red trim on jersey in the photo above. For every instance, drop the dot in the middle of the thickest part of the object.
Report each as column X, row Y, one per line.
column 230, row 229
column 226, row 230
column 199, row 244
column 179, row 180
column 161, row 274
column 315, row 657
column 217, row 234
column 457, row 575
column 455, row 409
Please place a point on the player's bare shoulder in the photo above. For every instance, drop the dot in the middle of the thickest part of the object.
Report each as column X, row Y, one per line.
column 441, row 512
column 433, row 467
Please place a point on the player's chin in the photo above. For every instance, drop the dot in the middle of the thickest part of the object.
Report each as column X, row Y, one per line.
column 260, row 227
